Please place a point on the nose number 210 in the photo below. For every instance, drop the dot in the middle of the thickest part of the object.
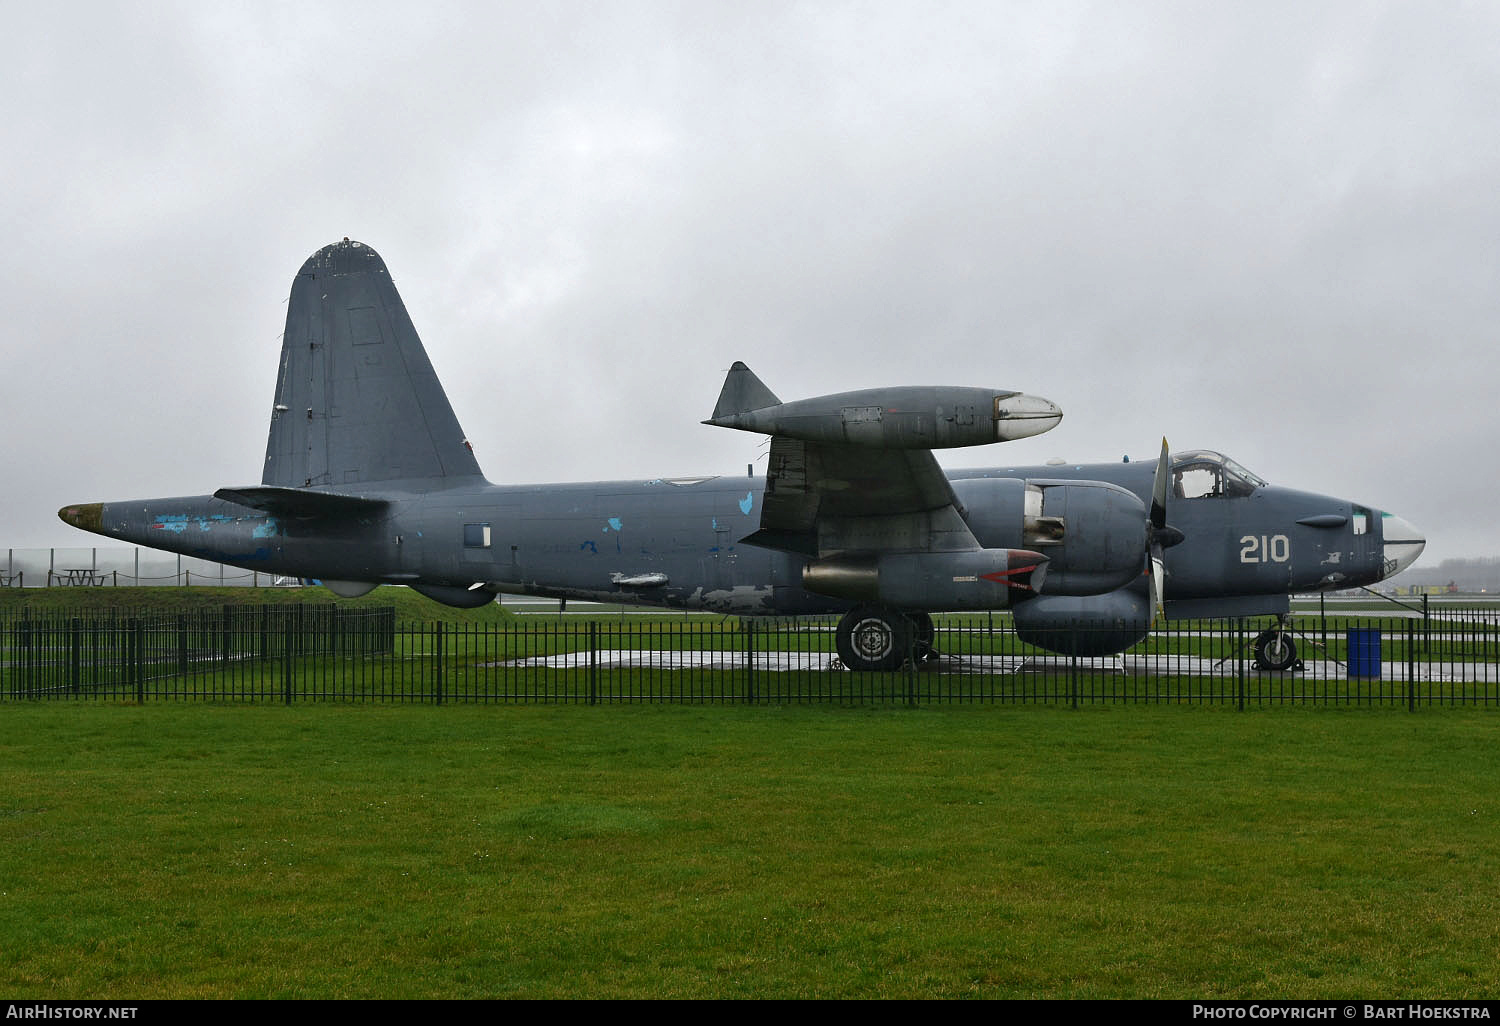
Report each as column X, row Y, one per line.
column 1272, row 548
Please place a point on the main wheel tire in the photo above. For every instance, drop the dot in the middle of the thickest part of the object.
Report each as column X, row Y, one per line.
column 873, row 638
column 1275, row 650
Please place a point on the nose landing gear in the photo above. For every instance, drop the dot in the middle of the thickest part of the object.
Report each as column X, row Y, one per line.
column 1276, row 650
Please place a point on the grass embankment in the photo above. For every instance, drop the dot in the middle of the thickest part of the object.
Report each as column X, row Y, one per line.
column 184, row 850
column 410, row 606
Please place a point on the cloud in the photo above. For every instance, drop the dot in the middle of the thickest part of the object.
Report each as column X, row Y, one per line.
column 1268, row 230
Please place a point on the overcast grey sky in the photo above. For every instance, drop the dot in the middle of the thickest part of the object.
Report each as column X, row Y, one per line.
column 1265, row 228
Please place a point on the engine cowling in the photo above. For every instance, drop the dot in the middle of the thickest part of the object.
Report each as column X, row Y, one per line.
column 1092, row 625
column 976, row 579
column 1092, row 533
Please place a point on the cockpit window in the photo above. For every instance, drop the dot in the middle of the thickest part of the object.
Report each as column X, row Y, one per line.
column 1202, row 474
column 1197, row 481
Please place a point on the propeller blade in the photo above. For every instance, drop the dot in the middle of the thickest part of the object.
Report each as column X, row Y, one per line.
column 1159, row 535
column 1158, row 585
column 1159, row 490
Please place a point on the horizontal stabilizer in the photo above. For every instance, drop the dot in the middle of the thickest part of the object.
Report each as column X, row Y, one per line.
column 742, row 393
column 302, row 502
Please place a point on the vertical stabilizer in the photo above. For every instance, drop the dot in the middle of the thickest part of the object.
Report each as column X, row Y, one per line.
column 357, row 400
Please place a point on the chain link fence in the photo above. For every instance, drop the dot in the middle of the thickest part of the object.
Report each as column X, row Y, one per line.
column 121, row 567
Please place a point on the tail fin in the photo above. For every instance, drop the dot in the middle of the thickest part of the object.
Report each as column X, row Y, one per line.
column 357, row 400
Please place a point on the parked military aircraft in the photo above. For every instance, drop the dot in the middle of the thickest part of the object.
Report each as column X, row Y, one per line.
column 369, row 479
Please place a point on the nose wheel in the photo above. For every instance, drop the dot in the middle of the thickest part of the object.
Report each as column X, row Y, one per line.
column 1276, row 650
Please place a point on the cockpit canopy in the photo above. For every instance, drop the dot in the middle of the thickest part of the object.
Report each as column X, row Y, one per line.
column 1202, row 474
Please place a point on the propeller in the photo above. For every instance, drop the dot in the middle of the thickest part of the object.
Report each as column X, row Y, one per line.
column 1159, row 536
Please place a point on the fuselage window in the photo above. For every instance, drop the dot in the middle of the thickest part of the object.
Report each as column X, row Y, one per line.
column 476, row 536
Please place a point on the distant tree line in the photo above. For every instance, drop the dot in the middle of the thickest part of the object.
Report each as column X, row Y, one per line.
column 1469, row 575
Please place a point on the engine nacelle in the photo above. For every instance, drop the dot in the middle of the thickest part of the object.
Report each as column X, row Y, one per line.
column 903, row 417
column 1093, row 625
column 349, row 589
column 977, row 579
column 459, row 598
column 1092, row 533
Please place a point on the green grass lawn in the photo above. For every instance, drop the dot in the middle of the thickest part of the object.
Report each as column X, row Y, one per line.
column 185, row 850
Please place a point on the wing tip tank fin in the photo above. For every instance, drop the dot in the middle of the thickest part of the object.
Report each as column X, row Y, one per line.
column 743, row 392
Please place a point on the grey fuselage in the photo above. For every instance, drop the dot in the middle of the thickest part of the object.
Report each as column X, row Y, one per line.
column 679, row 540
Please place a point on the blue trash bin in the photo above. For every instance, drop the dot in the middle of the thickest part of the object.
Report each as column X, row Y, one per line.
column 1364, row 652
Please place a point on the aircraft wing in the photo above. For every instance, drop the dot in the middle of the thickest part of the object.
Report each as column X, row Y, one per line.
column 824, row 498
column 855, row 471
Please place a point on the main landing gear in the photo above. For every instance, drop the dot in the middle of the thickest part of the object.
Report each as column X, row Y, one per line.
column 877, row 638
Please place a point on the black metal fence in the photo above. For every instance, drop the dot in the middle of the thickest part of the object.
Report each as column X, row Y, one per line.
column 302, row 653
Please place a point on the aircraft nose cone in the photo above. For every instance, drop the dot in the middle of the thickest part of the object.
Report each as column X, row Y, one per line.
column 1403, row 544
column 1021, row 416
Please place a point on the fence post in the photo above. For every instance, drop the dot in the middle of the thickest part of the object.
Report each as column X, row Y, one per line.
column 1239, row 660
column 182, row 645
column 749, row 627
column 911, row 669
column 593, row 662
column 75, row 654
column 286, row 660
column 28, row 662
column 437, row 674
column 1411, row 665
column 137, row 658
column 1073, row 676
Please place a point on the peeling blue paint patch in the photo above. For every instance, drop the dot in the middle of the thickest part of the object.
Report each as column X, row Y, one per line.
column 716, row 523
column 615, row 524
column 266, row 530
column 747, row 502
column 175, row 524
column 590, row 546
